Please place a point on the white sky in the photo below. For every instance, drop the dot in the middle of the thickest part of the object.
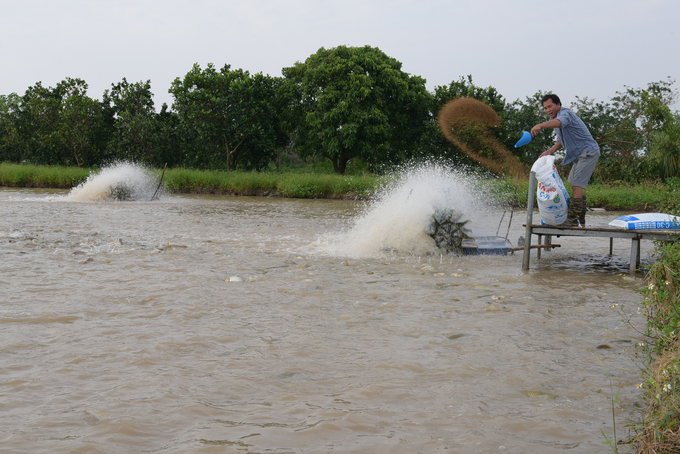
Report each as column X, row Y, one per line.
column 580, row 48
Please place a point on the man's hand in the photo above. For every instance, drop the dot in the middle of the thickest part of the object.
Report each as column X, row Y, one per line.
column 546, row 153
column 535, row 130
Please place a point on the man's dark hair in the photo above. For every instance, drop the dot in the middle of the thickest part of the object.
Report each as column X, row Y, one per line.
column 554, row 98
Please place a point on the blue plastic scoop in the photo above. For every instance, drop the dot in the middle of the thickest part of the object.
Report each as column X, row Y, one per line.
column 526, row 138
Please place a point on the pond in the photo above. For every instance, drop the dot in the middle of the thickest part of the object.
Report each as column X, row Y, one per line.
column 234, row 324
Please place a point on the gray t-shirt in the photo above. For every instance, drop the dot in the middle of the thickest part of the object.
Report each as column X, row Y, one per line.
column 573, row 135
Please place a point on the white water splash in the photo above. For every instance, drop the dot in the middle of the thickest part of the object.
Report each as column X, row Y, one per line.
column 401, row 214
column 132, row 181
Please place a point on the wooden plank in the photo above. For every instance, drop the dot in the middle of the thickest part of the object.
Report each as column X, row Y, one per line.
column 536, row 246
column 654, row 235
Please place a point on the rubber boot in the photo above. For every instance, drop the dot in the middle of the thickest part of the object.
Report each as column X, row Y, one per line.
column 582, row 213
column 573, row 213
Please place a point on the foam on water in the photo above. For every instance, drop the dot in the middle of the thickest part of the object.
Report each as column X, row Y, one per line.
column 399, row 217
column 134, row 180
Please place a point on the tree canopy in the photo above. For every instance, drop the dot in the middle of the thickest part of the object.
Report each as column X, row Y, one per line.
column 61, row 123
column 227, row 117
column 133, row 108
column 356, row 102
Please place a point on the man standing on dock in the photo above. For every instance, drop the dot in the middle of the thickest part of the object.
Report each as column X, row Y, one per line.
column 580, row 147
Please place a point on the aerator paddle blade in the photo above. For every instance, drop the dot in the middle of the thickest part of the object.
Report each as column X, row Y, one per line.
column 526, row 138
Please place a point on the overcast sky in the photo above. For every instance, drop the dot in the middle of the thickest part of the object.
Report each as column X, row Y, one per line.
column 585, row 48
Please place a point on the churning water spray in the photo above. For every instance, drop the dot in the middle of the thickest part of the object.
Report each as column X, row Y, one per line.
column 123, row 181
column 399, row 217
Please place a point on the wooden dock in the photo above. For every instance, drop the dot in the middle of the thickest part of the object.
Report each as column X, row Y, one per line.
column 588, row 231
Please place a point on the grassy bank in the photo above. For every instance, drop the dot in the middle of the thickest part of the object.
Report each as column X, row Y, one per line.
column 646, row 197
column 21, row 175
column 621, row 197
column 291, row 184
column 659, row 431
column 298, row 185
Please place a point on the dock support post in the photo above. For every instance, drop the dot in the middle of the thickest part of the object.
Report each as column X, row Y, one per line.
column 634, row 255
column 538, row 252
column 611, row 246
column 530, row 217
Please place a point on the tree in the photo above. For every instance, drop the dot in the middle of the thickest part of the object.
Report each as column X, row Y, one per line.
column 356, row 102
column 166, row 129
column 665, row 148
column 12, row 143
column 64, row 123
column 226, row 117
column 466, row 88
column 134, row 121
column 625, row 127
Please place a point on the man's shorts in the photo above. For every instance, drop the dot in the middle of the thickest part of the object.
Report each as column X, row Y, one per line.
column 583, row 169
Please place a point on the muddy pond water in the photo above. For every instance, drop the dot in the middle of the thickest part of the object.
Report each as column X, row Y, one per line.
column 232, row 324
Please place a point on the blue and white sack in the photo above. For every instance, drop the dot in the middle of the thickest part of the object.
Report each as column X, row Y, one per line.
column 647, row 221
column 552, row 196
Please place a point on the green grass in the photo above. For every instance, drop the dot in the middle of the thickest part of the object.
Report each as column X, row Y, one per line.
column 20, row 175
column 305, row 184
column 646, row 197
column 659, row 430
column 290, row 184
